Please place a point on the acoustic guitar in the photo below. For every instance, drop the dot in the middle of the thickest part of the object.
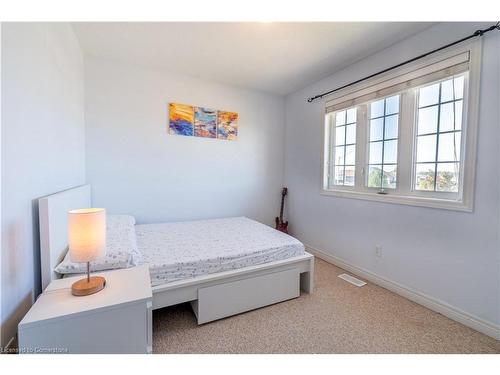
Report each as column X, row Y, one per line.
column 280, row 225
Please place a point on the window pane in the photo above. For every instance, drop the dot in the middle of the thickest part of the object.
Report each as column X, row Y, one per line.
column 389, row 177
column 447, row 118
column 424, row 176
column 391, row 127
column 339, row 155
column 351, row 115
column 376, row 129
column 427, row 120
column 375, row 176
column 447, row 177
column 377, row 109
column 349, row 175
column 392, row 105
column 458, row 115
column 375, row 153
column 390, row 152
column 350, row 155
column 340, row 118
column 345, row 133
column 439, row 172
column 428, row 95
column 459, row 87
column 340, row 135
column 426, row 148
column 350, row 134
column 449, row 147
column 447, row 90
column 338, row 177
column 383, row 147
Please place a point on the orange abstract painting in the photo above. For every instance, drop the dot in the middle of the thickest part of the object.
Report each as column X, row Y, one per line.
column 181, row 118
column 227, row 125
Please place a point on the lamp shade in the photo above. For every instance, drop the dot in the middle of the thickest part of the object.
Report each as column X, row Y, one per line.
column 86, row 234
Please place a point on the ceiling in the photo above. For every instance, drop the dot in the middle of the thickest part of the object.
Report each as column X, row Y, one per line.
column 279, row 58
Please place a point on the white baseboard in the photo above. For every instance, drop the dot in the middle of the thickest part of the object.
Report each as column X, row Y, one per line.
column 478, row 324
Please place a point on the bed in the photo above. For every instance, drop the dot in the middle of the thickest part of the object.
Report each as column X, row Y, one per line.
column 221, row 266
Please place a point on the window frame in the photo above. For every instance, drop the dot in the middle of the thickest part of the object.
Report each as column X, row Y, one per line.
column 405, row 192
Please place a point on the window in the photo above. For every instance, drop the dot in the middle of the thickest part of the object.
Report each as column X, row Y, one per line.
column 383, row 143
column 344, row 153
column 408, row 137
column 439, row 133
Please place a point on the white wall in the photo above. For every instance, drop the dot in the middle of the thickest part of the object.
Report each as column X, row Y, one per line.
column 136, row 167
column 450, row 256
column 43, row 145
column 0, row 183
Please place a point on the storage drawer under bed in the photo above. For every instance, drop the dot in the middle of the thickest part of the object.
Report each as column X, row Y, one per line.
column 223, row 300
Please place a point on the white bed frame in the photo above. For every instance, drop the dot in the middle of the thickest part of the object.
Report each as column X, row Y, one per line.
column 212, row 297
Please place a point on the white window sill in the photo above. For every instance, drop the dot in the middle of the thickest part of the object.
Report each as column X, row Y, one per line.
column 445, row 204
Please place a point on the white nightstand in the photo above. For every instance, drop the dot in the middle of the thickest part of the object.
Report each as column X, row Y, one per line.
column 117, row 319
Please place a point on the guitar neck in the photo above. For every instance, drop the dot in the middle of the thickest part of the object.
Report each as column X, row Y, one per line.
column 282, row 206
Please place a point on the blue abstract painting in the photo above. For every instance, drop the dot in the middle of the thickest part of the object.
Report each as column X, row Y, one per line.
column 205, row 122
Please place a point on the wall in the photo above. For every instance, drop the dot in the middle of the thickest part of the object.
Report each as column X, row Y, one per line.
column 0, row 183
column 43, row 145
column 136, row 167
column 450, row 256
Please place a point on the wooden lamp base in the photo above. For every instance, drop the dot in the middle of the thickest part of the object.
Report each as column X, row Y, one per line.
column 87, row 286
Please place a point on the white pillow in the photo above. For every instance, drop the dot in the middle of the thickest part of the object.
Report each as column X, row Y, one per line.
column 121, row 248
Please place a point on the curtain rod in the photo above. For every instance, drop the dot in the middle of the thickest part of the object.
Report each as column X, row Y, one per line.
column 476, row 33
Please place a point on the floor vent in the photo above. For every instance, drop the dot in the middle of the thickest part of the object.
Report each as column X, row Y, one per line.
column 352, row 279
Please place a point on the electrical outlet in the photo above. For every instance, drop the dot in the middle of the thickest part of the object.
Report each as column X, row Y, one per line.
column 378, row 251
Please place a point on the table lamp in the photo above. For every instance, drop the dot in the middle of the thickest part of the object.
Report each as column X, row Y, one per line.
column 87, row 242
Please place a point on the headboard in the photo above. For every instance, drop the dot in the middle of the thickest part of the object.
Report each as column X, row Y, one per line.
column 53, row 213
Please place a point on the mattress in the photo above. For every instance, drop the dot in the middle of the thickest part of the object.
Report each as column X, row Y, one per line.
column 182, row 250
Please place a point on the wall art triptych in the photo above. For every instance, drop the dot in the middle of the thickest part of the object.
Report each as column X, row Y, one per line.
column 189, row 120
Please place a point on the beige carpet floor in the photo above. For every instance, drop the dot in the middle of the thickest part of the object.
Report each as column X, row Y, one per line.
column 337, row 318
